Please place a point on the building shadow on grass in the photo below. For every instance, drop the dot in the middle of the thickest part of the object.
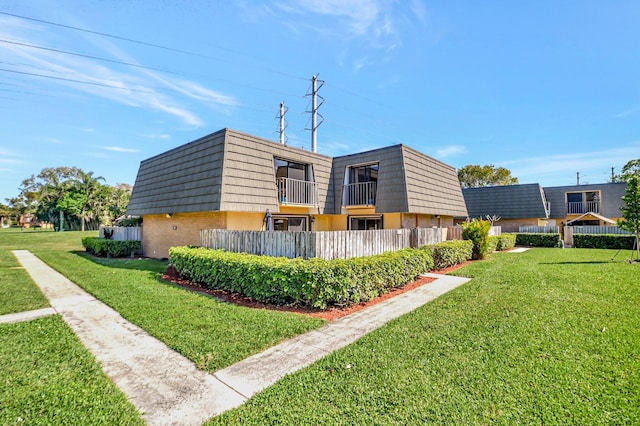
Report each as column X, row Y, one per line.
column 137, row 263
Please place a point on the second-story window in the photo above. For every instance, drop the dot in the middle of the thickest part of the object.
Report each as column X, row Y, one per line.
column 360, row 185
column 361, row 174
column 292, row 170
column 295, row 183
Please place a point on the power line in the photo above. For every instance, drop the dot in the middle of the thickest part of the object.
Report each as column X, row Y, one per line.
column 145, row 43
column 77, row 81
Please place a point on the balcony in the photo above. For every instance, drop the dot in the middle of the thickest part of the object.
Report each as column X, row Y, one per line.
column 359, row 194
column 297, row 192
column 583, row 207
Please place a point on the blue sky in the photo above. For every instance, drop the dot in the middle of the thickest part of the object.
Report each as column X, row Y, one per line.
column 545, row 89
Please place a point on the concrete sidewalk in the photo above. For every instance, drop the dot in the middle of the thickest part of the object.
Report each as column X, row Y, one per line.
column 165, row 386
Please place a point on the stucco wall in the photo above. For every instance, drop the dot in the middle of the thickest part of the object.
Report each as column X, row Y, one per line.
column 161, row 232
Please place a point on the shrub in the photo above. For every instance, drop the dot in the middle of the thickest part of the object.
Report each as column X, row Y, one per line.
column 606, row 241
column 538, row 240
column 450, row 253
column 111, row 248
column 493, row 243
column 506, row 242
column 314, row 282
column 477, row 231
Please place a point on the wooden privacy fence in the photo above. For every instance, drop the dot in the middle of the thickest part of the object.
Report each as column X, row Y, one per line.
column 321, row 244
column 122, row 233
column 569, row 231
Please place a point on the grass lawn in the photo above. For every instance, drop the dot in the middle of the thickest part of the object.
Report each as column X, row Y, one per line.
column 211, row 333
column 548, row 336
column 49, row 378
column 17, row 292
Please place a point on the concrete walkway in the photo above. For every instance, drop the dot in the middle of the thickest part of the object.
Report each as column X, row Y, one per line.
column 165, row 386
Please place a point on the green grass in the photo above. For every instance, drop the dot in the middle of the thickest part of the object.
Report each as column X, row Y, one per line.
column 211, row 333
column 30, row 239
column 548, row 336
column 47, row 377
column 17, row 292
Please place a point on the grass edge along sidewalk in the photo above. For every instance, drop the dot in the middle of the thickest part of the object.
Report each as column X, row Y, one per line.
column 547, row 336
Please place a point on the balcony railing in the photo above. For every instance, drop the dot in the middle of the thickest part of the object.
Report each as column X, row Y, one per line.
column 583, row 207
column 359, row 194
column 297, row 192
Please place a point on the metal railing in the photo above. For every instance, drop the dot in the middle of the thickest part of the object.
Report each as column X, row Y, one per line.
column 359, row 194
column 580, row 207
column 297, row 192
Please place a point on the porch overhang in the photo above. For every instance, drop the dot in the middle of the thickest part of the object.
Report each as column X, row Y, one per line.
column 592, row 215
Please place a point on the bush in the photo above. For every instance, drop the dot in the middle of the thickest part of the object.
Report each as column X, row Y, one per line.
column 538, row 240
column 450, row 253
column 604, row 241
column 477, row 231
column 314, row 282
column 506, row 242
column 111, row 248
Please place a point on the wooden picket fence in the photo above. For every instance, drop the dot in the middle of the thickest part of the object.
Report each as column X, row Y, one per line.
column 122, row 233
column 320, row 244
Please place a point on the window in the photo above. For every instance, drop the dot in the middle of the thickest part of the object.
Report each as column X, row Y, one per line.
column 289, row 223
column 293, row 170
column 365, row 223
column 360, row 185
column 360, row 174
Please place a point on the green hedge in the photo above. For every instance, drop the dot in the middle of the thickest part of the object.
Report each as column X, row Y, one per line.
column 314, row 282
column 450, row 253
column 506, row 241
column 538, row 239
column 111, row 248
column 604, row 241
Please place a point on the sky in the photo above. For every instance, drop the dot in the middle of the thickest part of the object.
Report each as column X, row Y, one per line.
column 547, row 89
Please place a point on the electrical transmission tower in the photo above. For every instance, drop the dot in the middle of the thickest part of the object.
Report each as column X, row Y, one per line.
column 315, row 86
column 283, row 123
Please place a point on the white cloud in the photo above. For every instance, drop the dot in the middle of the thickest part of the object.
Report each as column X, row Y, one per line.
column 129, row 87
column 594, row 167
column 119, row 149
column 448, row 151
column 164, row 136
column 627, row 113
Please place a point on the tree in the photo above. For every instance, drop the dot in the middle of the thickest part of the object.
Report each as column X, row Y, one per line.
column 72, row 195
column 631, row 209
column 632, row 168
column 475, row 176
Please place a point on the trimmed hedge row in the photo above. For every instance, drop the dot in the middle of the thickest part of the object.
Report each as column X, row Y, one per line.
column 538, row 240
column 450, row 253
column 604, row 241
column 314, row 282
column 506, row 241
column 111, row 248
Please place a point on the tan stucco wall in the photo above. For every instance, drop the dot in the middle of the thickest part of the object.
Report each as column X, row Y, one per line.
column 243, row 221
column 159, row 232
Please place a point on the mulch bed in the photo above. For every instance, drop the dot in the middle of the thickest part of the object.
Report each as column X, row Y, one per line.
column 333, row 313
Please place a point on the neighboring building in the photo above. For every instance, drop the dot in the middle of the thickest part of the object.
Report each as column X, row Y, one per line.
column 516, row 205
column 597, row 204
column 230, row 180
column 531, row 204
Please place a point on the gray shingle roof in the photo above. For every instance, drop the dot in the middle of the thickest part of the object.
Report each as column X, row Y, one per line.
column 233, row 171
column 508, row 202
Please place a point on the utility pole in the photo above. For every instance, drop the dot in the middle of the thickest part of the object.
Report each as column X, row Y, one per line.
column 315, row 86
column 283, row 123
column 577, row 178
column 613, row 176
